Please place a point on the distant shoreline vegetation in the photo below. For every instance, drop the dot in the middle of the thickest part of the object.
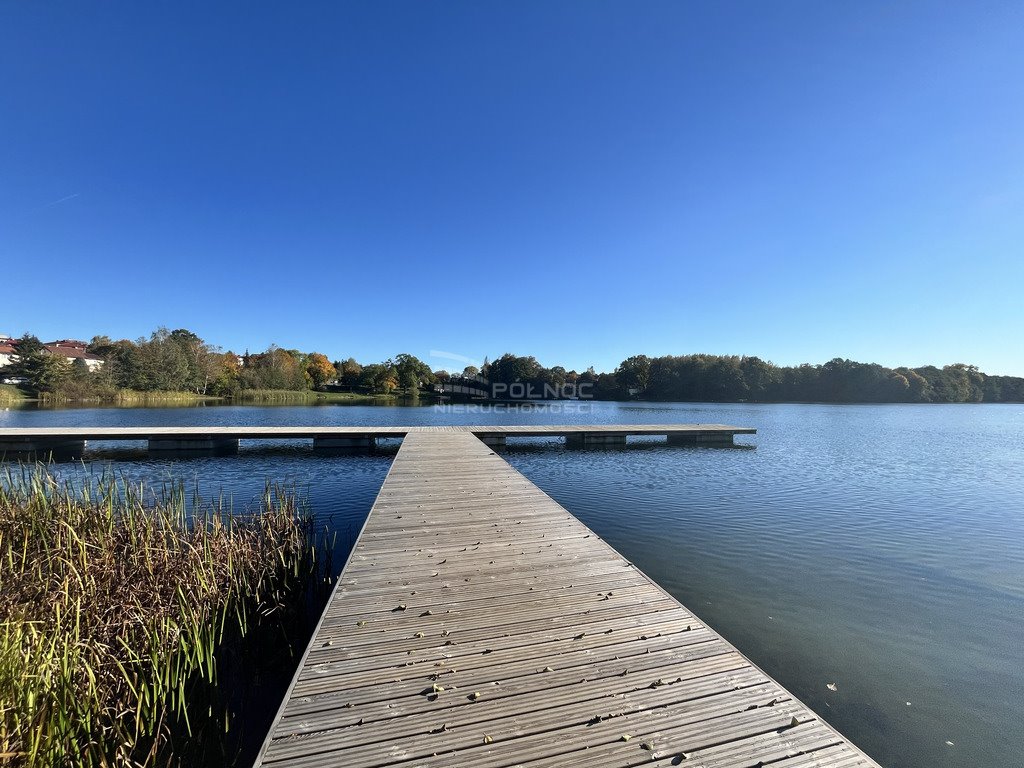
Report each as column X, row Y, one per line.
column 178, row 366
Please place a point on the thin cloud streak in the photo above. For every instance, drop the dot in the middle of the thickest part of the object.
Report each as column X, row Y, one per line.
column 57, row 202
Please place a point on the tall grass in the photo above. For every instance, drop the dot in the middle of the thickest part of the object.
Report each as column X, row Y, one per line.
column 10, row 395
column 273, row 396
column 133, row 397
column 87, row 393
column 301, row 396
column 114, row 603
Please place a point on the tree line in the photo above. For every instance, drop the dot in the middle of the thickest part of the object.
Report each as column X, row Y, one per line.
column 734, row 378
column 181, row 361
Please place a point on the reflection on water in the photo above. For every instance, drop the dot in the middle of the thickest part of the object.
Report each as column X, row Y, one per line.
column 880, row 548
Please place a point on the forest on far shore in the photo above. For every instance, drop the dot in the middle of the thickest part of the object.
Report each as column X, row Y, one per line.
column 181, row 361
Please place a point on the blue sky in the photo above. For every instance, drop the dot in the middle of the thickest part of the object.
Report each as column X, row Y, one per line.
column 577, row 181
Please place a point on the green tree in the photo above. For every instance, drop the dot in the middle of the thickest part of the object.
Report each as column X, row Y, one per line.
column 348, row 372
column 40, row 370
column 411, row 371
column 634, row 373
column 200, row 360
column 121, row 367
column 379, row 377
column 162, row 363
column 510, row 368
column 762, row 378
column 274, row 369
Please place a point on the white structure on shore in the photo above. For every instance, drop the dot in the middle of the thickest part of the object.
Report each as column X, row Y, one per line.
column 74, row 350
column 70, row 349
column 6, row 350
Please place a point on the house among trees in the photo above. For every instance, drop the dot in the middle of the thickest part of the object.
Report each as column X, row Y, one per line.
column 72, row 350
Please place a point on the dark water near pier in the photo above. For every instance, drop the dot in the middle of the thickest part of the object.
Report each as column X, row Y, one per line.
column 879, row 548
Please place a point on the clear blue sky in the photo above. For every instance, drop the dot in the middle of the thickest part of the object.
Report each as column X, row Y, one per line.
column 577, row 181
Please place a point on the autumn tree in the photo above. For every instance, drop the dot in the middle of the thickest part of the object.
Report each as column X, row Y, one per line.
column 274, row 369
column 227, row 372
column 319, row 369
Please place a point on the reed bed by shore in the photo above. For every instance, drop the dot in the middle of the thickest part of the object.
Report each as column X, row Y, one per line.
column 115, row 602
column 128, row 397
column 72, row 394
column 258, row 396
column 131, row 397
column 10, row 395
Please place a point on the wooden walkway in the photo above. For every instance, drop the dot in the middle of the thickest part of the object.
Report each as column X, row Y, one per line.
column 71, row 441
column 478, row 623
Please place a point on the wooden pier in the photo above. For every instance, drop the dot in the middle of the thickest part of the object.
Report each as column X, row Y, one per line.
column 71, row 441
column 478, row 623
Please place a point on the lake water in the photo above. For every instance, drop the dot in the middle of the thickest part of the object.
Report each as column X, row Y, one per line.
column 879, row 548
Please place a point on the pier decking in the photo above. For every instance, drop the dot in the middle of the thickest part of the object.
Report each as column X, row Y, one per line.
column 72, row 440
column 478, row 623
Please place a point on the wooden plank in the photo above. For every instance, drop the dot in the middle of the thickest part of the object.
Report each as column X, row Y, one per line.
column 478, row 623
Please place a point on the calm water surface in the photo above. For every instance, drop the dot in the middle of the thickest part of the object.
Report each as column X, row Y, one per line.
column 880, row 548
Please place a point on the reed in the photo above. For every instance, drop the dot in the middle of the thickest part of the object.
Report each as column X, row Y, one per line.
column 87, row 393
column 133, row 397
column 10, row 395
column 258, row 396
column 114, row 602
